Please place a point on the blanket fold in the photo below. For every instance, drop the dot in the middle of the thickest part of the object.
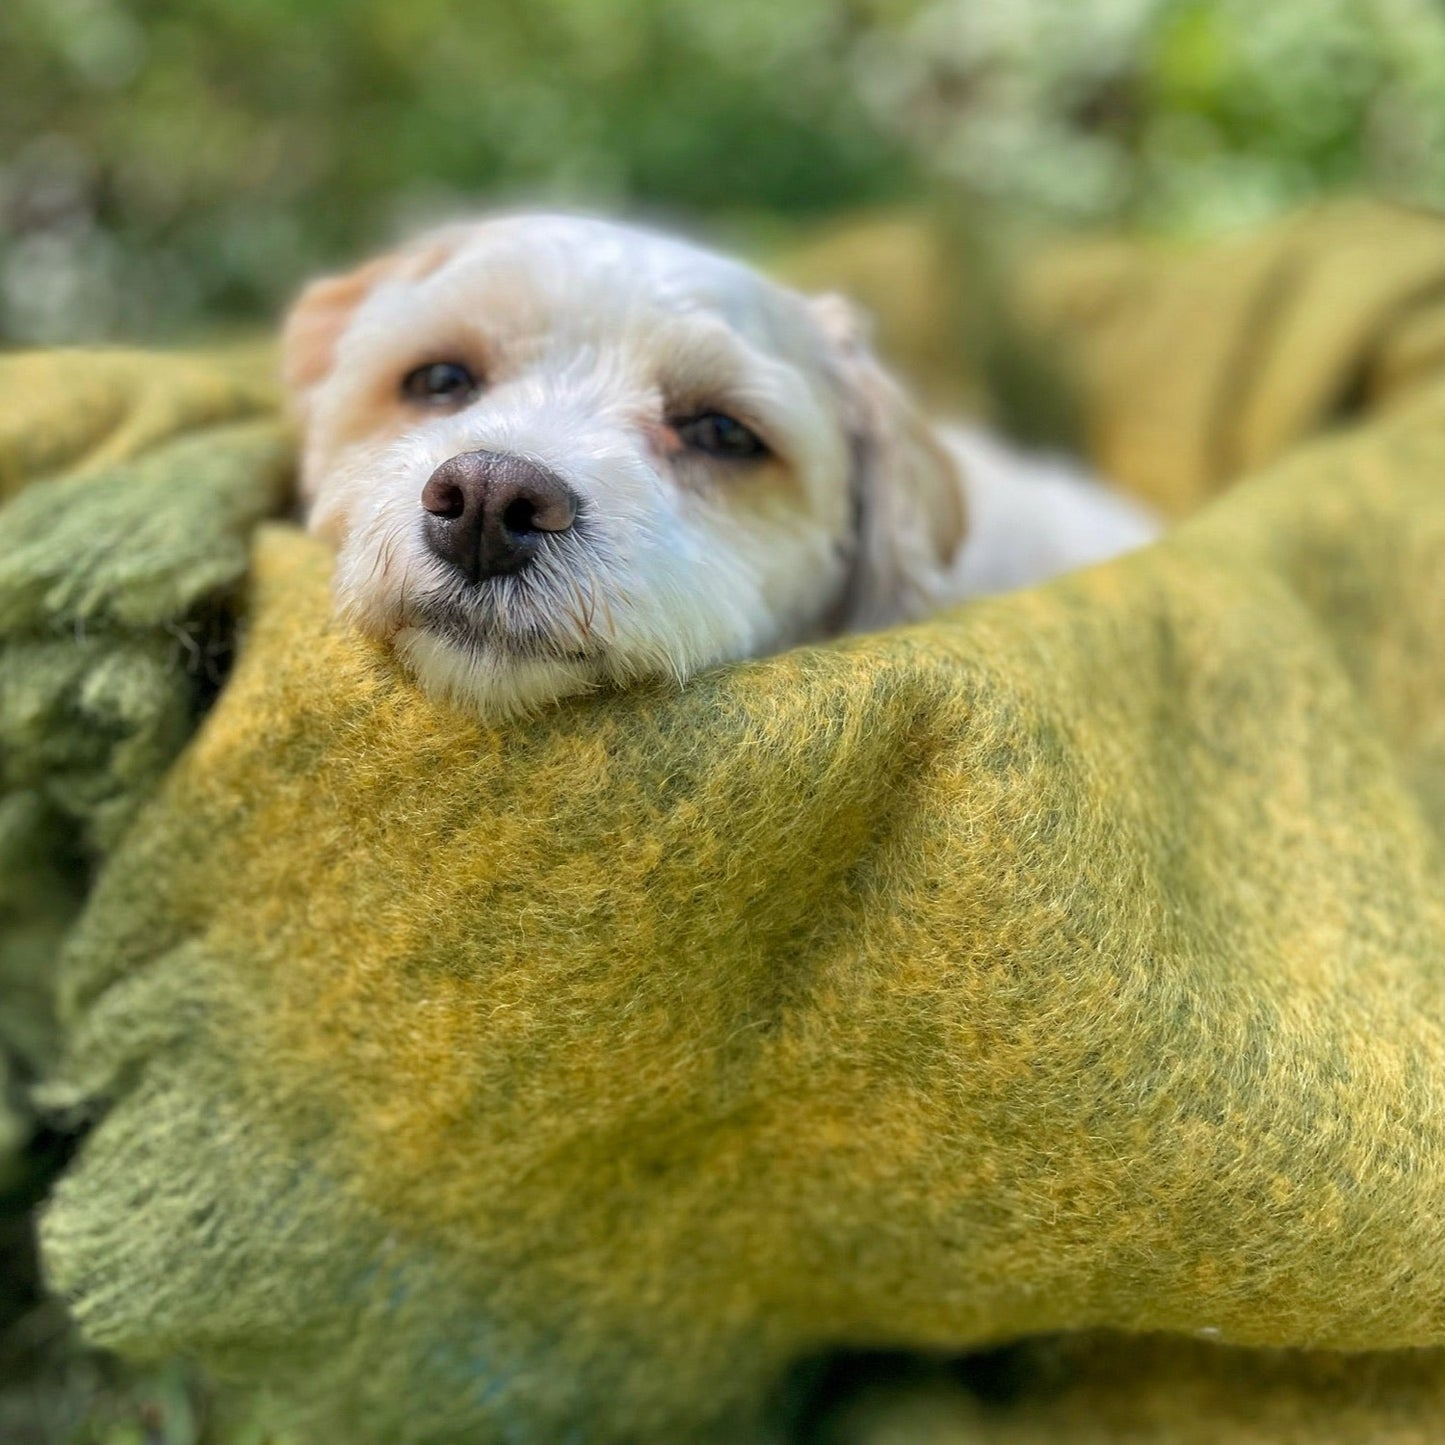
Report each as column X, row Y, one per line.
column 1198, row 364
column 135, row 482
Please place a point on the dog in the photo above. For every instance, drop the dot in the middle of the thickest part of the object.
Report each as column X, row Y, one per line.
column 555, row 453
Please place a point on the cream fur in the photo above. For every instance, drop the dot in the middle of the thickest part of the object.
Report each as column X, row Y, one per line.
column 589, row 336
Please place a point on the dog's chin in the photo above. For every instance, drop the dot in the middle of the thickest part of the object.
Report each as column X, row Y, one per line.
column 493, row 682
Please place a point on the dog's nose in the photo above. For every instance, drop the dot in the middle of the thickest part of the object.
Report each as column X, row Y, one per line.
column 486, row 512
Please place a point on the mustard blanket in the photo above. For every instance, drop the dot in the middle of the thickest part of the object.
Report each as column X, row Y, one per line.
column 1067, row 969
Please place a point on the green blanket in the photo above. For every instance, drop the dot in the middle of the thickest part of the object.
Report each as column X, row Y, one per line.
column 117, row 577
column 1068, row 966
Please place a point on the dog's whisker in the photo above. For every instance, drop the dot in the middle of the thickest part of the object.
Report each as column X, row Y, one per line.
column 580, row 617
column 403, row 602
column 375, row 565
column 392, row 543
column 587, row 601
column 601, row 595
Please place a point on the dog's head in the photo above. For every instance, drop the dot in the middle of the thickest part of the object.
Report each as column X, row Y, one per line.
column 556, row 452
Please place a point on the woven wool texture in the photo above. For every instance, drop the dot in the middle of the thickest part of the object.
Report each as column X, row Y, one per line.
column 1071, row 962
column 143, row 476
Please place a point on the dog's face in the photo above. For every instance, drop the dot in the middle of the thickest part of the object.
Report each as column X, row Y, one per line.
column 555, row 452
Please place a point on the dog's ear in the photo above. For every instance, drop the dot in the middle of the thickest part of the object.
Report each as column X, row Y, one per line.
column 322, row 312
column 317, row 319
column 908, row 486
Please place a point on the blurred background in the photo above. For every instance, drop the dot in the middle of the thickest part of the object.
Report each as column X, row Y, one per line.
column 169, row 167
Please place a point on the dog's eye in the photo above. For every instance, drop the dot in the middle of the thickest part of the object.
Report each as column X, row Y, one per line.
column 720, row 436
column 439, row 383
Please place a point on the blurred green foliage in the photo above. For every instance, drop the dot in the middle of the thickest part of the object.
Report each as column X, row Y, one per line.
column 168, row 164
column 1186, row 115
column 169, row 158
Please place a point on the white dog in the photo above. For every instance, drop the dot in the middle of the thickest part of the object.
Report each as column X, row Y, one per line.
column 555, row 453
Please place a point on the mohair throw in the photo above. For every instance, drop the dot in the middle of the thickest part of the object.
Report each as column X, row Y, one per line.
column 130, row 485
column 1069, row 965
